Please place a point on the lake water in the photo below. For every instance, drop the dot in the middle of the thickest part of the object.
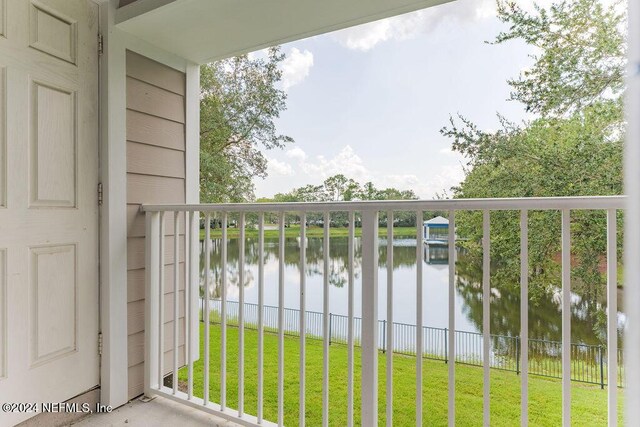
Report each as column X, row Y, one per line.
column 544, row 315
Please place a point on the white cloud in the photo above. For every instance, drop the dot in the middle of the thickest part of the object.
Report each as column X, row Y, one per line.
column 346, row 162
column 349, row 163
column 277, row 167
column 402, row 27
column 365, row 37
column 425, row 187
column 296, row 67
column 402, row 181
column 296, row 153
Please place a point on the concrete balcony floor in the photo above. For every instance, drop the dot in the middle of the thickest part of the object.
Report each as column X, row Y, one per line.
column 159, row 412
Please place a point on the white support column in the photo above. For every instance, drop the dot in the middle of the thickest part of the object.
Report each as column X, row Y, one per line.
column 113, row 216
column 369, row 337
column 632, row 221
column 192, row 190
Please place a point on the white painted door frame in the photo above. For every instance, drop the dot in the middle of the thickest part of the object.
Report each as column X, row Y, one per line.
column 113, row 232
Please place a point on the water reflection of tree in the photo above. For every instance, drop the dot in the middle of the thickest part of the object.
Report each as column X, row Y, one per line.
column 545, row 320
column 544, row 312
column 232, row 267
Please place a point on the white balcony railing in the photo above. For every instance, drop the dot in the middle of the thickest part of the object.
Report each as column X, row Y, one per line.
column 161, row 306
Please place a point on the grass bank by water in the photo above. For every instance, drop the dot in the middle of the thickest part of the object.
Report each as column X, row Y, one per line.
column 589, row 403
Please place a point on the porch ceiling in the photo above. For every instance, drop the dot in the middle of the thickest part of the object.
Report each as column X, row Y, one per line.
column 206, row 30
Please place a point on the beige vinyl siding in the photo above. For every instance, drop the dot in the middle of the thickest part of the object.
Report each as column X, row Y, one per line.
column 155, row 174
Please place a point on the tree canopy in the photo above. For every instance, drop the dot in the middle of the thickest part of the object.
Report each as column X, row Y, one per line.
column 582, row 53
column 572, row 147
column 239, row 103
column 339, row 188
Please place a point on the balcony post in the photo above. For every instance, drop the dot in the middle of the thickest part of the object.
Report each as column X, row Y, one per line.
column 632, row 221
column 152, row 302
column 369, row 318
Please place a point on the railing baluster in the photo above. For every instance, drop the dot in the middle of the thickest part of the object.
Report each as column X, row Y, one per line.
column 452, row 319
column 260, row 316
column 152, row 379
column 612, row 317
column 566, row 317
column 207, row 285
column 161, row 303
column 369, row 327
column 419, row 343
column 190, row 330
column 325, row 323
column 486, row 305
column 389, row 330
column 524, row 318
column 350, row 303
column 281, row 256
column 223, row 316
column 241, row 317
column 303, row 309
column 176, row 293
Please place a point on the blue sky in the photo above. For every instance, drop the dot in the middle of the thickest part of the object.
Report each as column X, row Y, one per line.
column 369, row 101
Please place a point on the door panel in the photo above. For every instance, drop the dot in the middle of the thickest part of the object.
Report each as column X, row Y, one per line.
column 48, row 202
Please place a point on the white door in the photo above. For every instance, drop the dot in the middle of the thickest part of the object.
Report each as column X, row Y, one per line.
column 48, row 201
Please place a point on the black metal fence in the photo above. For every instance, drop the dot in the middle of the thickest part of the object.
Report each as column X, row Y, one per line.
column 588, row 362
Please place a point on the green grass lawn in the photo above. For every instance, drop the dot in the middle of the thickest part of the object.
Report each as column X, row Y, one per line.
column 311, row 232
column 589, row 404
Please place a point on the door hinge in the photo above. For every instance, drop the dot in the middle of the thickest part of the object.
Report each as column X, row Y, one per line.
column 99, row 194
column 99, row 343
column 100, row 44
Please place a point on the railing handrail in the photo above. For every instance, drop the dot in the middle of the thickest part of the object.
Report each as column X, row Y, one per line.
column 529, row 203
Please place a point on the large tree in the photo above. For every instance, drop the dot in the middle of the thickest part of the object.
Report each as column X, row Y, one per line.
column 580, row 54
column 572, row 148
column 240, row 100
